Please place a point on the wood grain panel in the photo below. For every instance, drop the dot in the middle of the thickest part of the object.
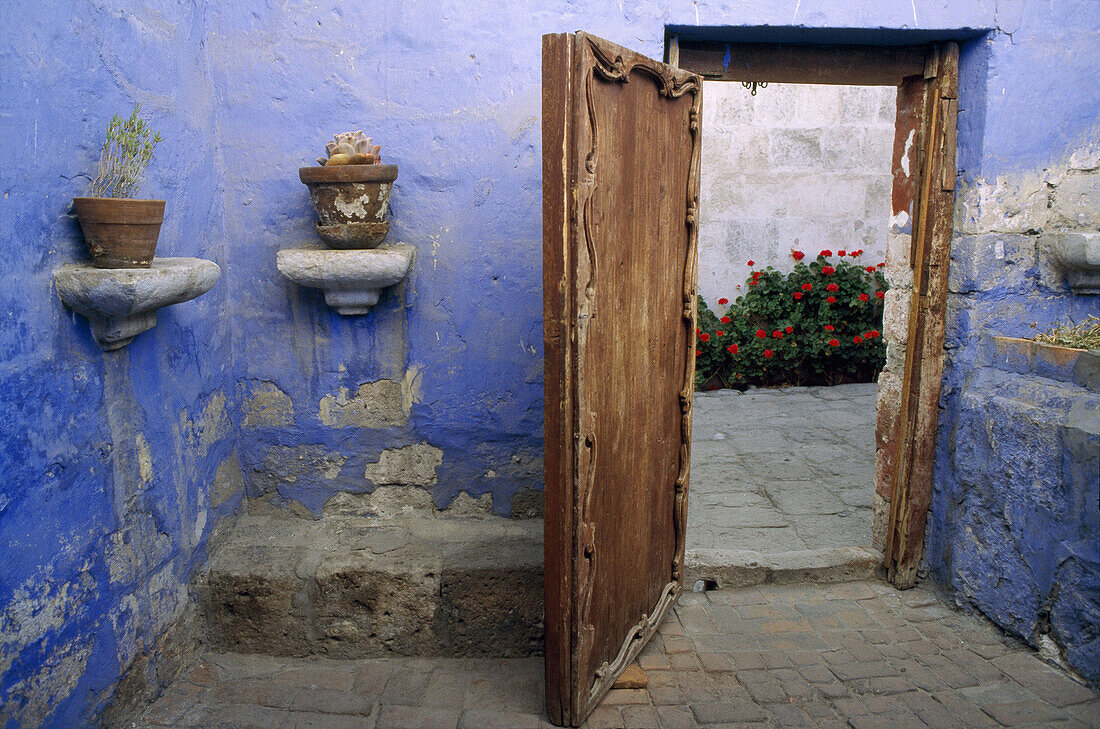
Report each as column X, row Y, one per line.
column 557, row 217
column 621, row 332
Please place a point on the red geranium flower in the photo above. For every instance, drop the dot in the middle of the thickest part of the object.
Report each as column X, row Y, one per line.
column 840, row 253
column 882, row 265
column 832, row 287
column 879, row 295
column 857, row 254
column 828, row 299
column 732, row 349
column 777, row 334
column 760, row 334
column 698, row 331
column 704, row 337
column 797, row 295
column 797, row 255
column 834, row 342
column 828, row 270
column 864, row 297
column 857, row 339
column 753, row 282
column 697, row 353
column 807, row 287
column 826, row 253
column 789, row 330
column 723, row 301
column 870, row 269
column 752, row 263
column 768, row 353
column 829, row 327
column 720, row 333
column 725, row 320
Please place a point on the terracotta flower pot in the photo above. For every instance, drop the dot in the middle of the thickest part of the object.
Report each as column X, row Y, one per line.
column 120, row 232
column 351, row 202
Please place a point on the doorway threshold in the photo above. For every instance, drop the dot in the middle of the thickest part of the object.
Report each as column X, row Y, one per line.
column 723, row 568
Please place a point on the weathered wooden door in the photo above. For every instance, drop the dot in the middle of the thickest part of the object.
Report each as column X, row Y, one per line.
column 620, row 195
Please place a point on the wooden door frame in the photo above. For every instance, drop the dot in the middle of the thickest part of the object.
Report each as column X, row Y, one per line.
column 927, row 79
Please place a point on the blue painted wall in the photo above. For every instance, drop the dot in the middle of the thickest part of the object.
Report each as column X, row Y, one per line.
column 107, row 459
column 453, row 95
column 245, row 93
column 1015, row 527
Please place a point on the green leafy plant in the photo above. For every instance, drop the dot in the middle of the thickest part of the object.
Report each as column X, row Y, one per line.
column 126, row 153
column 817, row 325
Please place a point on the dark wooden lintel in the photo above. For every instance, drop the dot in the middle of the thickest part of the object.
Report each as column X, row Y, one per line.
column 807, row 64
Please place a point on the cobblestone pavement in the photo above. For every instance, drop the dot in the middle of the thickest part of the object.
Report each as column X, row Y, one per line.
column 779, row 470
column 856, row 654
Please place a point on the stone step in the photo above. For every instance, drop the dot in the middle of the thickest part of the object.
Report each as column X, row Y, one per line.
column 724, row 568
column 350, row 586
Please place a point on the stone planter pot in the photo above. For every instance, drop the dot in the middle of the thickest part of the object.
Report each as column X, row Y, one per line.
column 120, row 232
column 351, row 202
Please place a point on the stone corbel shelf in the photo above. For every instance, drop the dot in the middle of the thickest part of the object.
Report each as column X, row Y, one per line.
column 352, row 279
column 121, row 303
column 1078, row 256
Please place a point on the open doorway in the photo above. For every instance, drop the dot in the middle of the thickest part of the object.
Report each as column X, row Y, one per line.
column 810, row 154
column 795, row 181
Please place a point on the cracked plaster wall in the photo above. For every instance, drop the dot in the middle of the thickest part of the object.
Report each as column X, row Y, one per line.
column 114, row 480
column 1013, row 528
column 247, row 93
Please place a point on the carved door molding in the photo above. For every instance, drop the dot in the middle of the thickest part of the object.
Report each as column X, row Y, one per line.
column 621, row 145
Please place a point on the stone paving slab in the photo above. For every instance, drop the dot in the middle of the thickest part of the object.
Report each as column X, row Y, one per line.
column 850, row 654
column 787, row 470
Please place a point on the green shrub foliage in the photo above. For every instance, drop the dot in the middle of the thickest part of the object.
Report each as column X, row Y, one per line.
column 817, row 325
column 126, row 152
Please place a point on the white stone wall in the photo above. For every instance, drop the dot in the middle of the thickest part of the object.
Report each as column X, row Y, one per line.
column 797, row 166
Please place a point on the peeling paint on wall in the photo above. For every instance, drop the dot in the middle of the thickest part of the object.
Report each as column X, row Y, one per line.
column 34, row 697
column 211, row 426
column 227, row 480
column 413, row 465
column 378, row 404
column 283, row 465
column 266, row 405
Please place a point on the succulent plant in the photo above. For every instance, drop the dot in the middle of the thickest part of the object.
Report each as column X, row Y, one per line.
column 351, row 148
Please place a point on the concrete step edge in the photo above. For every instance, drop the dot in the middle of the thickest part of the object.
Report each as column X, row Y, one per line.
column 742, row 568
